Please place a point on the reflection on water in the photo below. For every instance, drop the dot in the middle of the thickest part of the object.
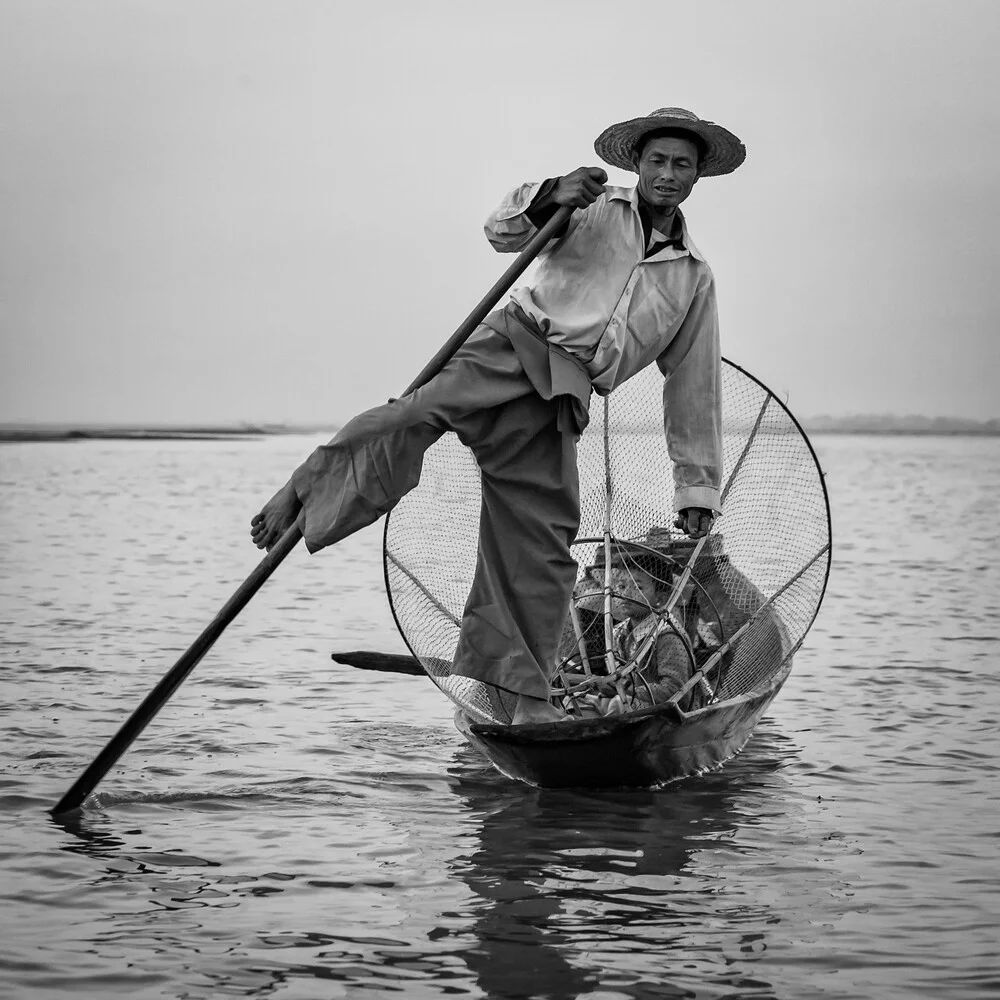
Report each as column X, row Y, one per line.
column 568, row 891
column 587, row 889
column 292, row 827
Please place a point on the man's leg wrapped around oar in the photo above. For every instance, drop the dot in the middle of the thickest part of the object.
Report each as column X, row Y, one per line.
column 525, row 444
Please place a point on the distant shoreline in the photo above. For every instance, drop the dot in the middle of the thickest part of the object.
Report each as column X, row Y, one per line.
column 903, row 431
column 40, row 434
column 52, row 433
column 908, row 425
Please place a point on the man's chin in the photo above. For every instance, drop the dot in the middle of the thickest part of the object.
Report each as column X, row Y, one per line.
column 665, row 203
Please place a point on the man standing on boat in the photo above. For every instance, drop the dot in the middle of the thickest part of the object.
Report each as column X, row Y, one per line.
column 620, row 287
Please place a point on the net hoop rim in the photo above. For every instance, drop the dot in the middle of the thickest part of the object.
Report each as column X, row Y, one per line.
column 826, row 504
column 822, row 483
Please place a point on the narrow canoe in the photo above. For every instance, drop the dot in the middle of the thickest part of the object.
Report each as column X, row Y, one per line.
column 643, row 749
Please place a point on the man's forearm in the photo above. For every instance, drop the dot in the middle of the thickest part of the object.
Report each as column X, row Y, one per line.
column 692, row 405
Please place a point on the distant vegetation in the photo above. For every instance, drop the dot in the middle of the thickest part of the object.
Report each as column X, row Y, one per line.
column 858, row 424
column 116, row 432
column 889, row 424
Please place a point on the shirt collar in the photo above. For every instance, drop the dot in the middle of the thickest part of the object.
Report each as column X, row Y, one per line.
column 631, row 195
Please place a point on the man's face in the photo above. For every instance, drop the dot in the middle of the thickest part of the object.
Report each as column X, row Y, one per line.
column 668, row 169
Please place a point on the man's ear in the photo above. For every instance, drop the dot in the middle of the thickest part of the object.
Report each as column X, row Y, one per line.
column 634, row 158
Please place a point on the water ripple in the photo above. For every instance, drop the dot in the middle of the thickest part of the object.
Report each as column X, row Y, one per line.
column 288, row 826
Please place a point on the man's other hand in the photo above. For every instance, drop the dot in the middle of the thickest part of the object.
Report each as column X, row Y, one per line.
column 695, row 521
column 580, row 188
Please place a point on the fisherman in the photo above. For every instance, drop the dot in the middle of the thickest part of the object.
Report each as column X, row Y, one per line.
column 621, row 286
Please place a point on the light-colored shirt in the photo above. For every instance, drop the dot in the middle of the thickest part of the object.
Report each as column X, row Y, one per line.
column 597, row 295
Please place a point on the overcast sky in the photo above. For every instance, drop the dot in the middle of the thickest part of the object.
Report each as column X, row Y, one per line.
column 238, row 210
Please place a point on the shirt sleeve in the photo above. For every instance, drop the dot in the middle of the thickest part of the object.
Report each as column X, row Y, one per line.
column 538, row 214
column 511, row 224
column 692, row 403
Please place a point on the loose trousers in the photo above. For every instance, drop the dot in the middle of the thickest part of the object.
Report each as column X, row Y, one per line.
column 530, row 512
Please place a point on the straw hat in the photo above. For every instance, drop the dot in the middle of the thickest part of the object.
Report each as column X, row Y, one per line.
column 724, row 151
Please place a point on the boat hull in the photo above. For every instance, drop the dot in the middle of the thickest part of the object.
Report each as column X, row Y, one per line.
column 641, row 750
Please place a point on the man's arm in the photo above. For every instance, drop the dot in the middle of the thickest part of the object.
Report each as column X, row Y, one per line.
column 692, row 411
column 529, row 206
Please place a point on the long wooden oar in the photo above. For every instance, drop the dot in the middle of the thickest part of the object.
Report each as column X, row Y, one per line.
column 173, row 679
column 386, row 663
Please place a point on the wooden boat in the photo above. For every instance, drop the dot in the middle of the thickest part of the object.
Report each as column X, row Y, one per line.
column 654, row 746
column 768, row 564
column 643, row 749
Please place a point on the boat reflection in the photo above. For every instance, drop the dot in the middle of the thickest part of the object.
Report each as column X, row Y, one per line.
column 583, row 890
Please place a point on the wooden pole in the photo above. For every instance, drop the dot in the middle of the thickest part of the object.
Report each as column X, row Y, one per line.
column 172, row 680
column 609, row 625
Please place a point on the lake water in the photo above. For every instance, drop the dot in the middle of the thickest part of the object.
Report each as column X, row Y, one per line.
column 288, row 827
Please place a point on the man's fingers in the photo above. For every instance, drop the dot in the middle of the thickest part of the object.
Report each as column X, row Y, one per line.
column 694, row 522
column 597, row 173
column 586, row 188
column 581, row 188
column 694, row 527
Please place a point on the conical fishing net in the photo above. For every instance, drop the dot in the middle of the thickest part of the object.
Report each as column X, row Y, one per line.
column 723, row 617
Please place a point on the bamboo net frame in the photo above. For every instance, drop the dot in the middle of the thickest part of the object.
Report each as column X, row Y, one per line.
column 740, row 600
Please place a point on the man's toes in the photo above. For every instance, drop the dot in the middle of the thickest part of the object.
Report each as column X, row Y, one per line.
column 261, row 534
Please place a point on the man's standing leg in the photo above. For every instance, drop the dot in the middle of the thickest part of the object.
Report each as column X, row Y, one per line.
column 525, row 570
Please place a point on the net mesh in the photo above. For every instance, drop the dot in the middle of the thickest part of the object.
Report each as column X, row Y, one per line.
column 756, row 584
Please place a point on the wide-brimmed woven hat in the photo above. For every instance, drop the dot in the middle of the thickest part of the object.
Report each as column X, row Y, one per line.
column 724, row 151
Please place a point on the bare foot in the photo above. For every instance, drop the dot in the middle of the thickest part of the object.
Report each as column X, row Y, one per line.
column 531, row 710
column 275, row 518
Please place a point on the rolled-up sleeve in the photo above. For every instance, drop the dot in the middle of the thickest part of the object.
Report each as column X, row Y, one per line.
column 508, row 228
column 692, row 403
